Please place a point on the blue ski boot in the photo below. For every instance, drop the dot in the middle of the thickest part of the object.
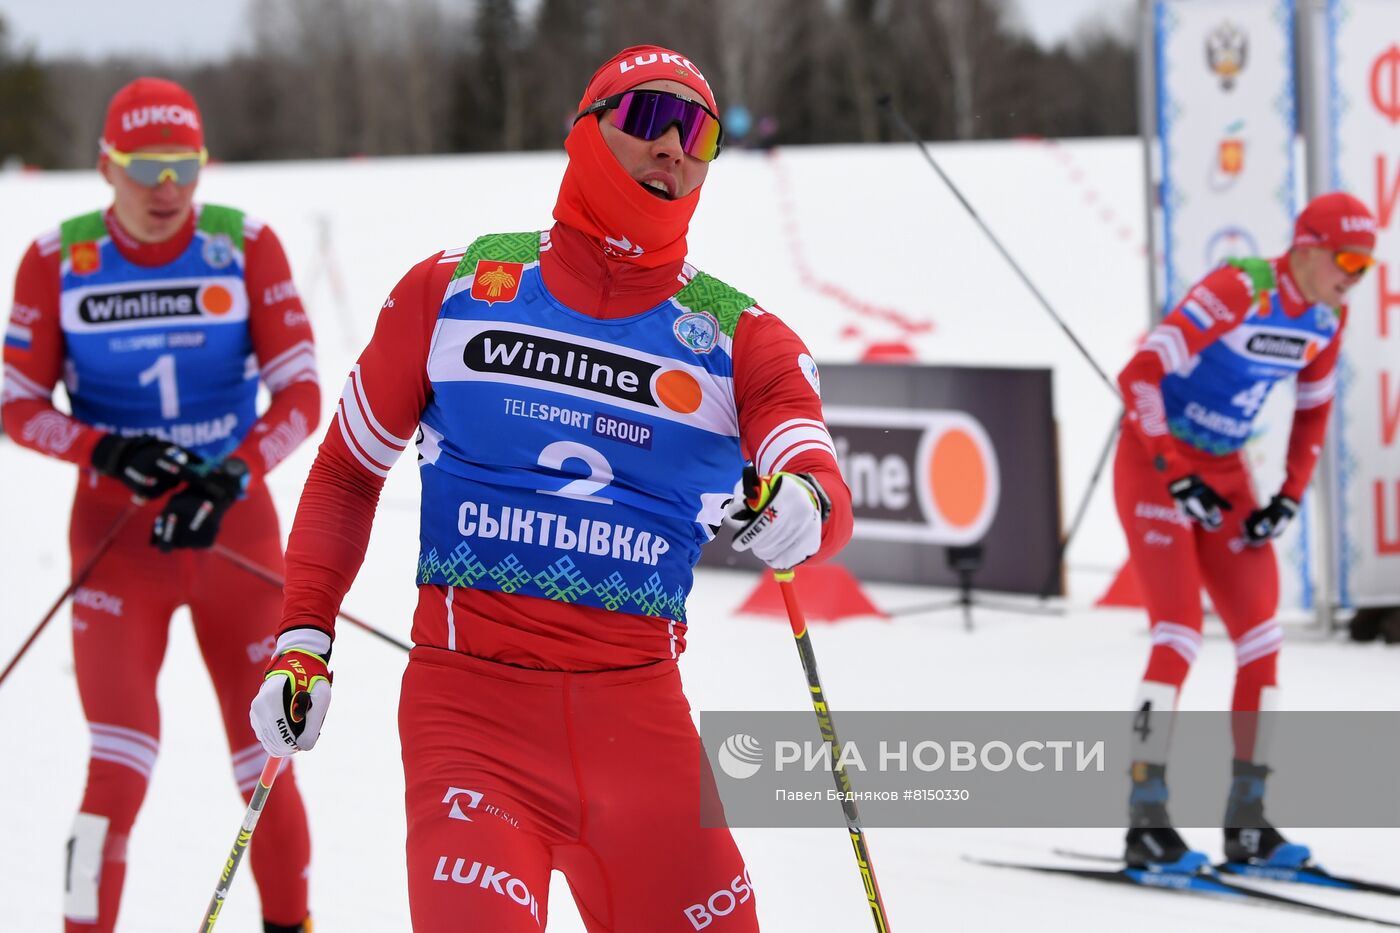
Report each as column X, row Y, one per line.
column 1151, row 841
column 1249, row 837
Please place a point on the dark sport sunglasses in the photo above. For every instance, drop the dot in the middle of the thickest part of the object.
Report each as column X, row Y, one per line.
column 648, row 114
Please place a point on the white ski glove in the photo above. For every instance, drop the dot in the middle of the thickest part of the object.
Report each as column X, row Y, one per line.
column 291, row 704
column 780, row 517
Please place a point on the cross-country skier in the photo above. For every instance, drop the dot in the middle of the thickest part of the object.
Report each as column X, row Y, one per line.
column 583, row 401
column 1183, row 491
column 161, row 316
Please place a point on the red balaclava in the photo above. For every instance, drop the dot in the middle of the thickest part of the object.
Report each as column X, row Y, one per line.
column 598, row 197
column 1335, row 221
column 153, row 112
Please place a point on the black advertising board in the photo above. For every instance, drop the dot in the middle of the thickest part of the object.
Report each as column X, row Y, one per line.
column 940, row 456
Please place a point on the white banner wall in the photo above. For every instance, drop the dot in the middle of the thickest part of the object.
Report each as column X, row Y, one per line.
column 1363, row 113
column 1225, row 118
column 1224, row 161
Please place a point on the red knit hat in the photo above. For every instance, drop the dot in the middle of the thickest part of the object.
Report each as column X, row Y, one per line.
column 640, row 64
column 153, row 112
column 1335, row 221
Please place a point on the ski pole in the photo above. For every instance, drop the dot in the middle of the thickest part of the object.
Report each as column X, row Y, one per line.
column 82, row 574
column 268, row 576
column 240, row 845
column 887, row 103
column 828, row 731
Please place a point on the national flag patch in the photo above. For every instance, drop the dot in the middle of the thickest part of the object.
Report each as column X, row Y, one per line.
column 19, row 337
column 1198, row 315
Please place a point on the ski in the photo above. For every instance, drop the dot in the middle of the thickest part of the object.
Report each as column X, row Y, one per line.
column 1308, row 874
column 1202, row 885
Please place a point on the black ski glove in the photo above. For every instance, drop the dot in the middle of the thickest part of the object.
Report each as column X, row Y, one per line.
column 191, row 518
column 148, row 466
column 1270, row 521
column 1200, row 503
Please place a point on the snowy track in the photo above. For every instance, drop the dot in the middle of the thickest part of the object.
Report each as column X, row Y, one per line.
column 890, row 211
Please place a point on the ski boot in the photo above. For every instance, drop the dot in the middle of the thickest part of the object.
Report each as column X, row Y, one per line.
column 1249, row 837
column 1151, row 842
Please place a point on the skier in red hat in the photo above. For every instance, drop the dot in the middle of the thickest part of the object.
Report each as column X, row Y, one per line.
column 162, row 317
column 583, row 402
column 1184, row 495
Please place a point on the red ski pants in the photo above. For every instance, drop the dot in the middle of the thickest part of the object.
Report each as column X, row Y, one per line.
column 121, row 620
column 1173, row 558
column 511, row 773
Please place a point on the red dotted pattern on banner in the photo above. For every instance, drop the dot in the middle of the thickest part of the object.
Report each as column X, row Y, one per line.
column 906, row 324
column 1092, row 196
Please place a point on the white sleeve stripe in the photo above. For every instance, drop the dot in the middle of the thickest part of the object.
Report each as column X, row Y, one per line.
column 358, row 383
column 1306, row 402
column 21, row 379
column 17, row 388
column 291, row 370
column 800, row 448
column 1168, row 343
column 305, row 360
column 1313, row 394
column 763, row 454
column 301, row 346
column 778, row 449
column 365, row 439
column 304, row 374
column 365, row 462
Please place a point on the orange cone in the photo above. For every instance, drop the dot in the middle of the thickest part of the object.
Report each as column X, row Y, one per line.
column 829, row 593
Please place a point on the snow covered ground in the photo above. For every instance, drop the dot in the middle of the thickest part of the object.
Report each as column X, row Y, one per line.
column 871, row 220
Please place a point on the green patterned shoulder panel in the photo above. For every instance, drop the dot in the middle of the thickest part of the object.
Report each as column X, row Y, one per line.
column 1260, row 272
column 707, row 293
column 81, row 229
column 216, row 219
column 500, row 247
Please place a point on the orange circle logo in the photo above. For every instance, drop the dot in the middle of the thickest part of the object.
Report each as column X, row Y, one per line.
column 678, row 391
column 958, row 477
column 216, row 300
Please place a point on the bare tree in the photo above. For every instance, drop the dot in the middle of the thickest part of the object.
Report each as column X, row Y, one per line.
column 338, row 77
